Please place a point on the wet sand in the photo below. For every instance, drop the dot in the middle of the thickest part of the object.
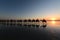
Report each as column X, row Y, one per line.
column 23, row 33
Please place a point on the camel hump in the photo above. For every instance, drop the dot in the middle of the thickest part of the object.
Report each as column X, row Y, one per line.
column 44, row 20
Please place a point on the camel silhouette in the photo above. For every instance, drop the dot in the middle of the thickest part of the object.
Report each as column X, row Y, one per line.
column 44, row 21
column 25, row 20
column 33, row 20
column 29, row 20
column 37, row 20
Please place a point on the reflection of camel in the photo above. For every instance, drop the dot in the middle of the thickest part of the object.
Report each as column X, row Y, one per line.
column 44, row 26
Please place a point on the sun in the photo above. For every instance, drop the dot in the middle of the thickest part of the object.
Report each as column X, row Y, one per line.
column 53, row 19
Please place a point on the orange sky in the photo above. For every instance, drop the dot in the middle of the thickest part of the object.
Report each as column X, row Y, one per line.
column 52, row 18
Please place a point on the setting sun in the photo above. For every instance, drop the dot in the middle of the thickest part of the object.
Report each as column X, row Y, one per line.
column 53, row 19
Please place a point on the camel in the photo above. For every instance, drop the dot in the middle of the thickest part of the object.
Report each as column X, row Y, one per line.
column 44, row 21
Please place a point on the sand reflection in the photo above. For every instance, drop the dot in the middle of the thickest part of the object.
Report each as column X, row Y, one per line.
column 53, row 22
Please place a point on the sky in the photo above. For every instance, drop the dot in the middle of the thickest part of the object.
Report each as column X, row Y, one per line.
column 29, row 9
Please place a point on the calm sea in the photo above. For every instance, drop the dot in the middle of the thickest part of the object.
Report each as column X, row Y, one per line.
column 35, row 31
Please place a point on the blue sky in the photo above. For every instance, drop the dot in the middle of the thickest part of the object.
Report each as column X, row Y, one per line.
column 29, row 8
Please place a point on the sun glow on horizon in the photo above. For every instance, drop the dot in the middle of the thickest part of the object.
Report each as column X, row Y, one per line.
column 53, row 19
